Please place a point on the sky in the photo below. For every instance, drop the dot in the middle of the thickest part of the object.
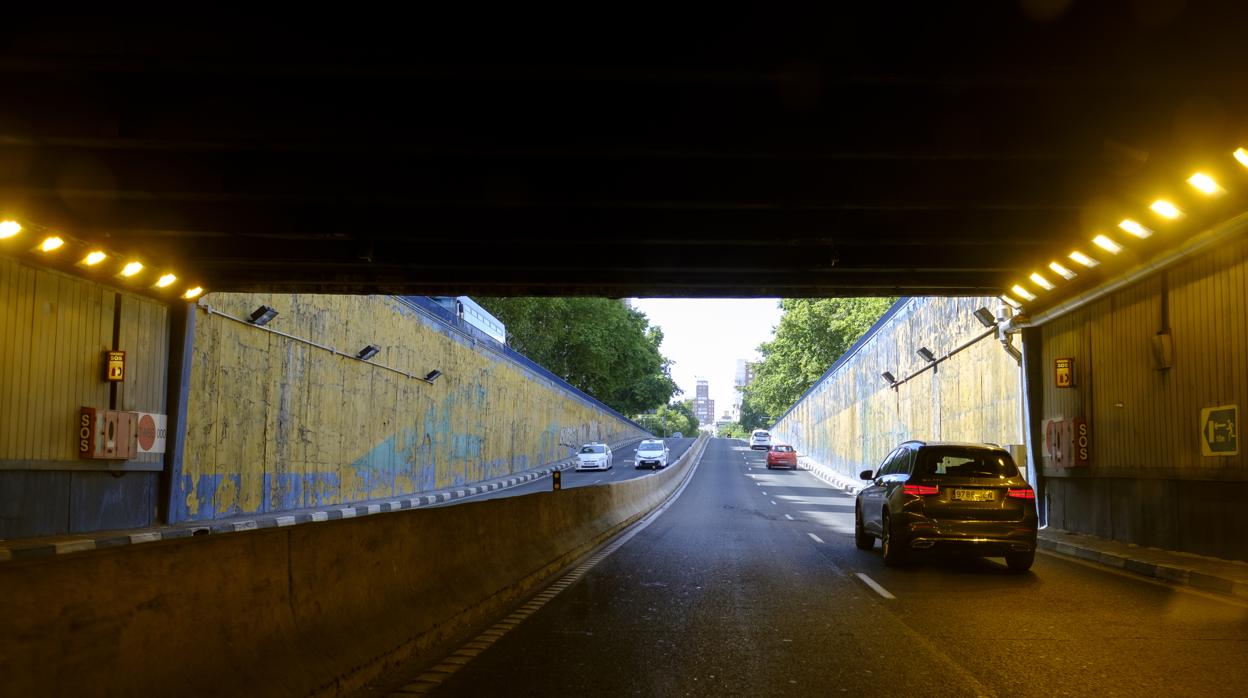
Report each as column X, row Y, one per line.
column 705, row 337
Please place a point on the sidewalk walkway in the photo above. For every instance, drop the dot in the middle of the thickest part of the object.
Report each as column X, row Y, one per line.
column 1184, row 569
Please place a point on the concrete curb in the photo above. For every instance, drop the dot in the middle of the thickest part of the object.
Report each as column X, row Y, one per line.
column 1206, row 574
column 25, row 551
column 829, row 475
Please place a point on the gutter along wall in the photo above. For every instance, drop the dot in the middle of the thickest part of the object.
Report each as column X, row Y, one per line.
column 279, row 424
column 1146, row 480
column 850, row 419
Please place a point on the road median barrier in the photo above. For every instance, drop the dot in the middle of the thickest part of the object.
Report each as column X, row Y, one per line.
column 315, row 609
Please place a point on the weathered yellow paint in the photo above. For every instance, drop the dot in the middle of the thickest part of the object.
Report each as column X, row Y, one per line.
column 851, row 419
column 276, row 424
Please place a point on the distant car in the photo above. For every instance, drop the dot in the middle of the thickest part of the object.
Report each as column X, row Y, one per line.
column 652, row 453
column 781, row 456
column 678, row 435
column 760, row 440
column 948, row 497
column 594, row 457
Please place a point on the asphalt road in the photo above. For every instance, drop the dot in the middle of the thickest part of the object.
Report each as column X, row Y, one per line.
column 749, row 585
column 623, row 470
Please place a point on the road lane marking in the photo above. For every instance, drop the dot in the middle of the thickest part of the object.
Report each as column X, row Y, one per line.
column 773, row 503
column 765, row 494
column 813, row 537
column 790, row 518
column 875, row 586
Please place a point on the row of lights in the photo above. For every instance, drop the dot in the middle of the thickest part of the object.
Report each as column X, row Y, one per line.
column 1162, row 208
column 130, row 270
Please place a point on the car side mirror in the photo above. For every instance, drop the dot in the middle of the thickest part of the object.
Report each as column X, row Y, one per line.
column 865, row 475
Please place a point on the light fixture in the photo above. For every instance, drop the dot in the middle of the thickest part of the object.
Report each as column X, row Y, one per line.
column 368, row 352
column 432, row 376
column 1062, row 271
column 1242, row 156
column 93, row 258
column 1135, row 228
column 132, row 268
column 888, row 377
column 261, row 316
column 192, row 293
column 985, row 317
column 926, row 353
column 165, row 280
column 1083, row 259
column 1011, row 302
column 1023, row 293
column 1165, row 209
column 50, row 244
column 1205, row 184
column 9, row 228
column 1106, row 244
column 1041, row 282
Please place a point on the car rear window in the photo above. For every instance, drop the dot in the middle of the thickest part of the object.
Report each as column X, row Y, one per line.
column 762, row 435
column 593, row 448
column 953, row 461
column 782, row 449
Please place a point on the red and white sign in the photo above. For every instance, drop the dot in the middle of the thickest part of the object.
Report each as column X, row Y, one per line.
column 151, row 432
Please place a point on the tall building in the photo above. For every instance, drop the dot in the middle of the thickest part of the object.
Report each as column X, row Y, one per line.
column 743, row 377
column 703, row 405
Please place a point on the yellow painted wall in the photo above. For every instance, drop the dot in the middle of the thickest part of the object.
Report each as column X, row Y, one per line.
column 276, row 424
column 852, row 418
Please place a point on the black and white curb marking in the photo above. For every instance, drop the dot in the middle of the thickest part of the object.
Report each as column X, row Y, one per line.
column 20, row 551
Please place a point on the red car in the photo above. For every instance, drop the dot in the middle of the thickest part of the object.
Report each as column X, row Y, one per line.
column 781, row 456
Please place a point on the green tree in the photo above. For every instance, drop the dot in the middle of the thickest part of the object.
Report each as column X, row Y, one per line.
column 597, row 344
column 670, row 419
column 732, row 430
column 813, row 333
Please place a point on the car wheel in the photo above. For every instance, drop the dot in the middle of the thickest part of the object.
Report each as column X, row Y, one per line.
column 862, row 539
column 893, row 554
column 1020, row 562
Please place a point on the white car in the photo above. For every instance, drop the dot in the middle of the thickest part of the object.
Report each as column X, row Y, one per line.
column 594, row 457
column 760, row 439
column 652, row 453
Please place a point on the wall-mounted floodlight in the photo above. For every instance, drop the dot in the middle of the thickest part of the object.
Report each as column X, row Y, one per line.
column 262, row 315
column 985, row 317
column 926, row 353
column 432, row 375
column 888, row 377
column 368, row 352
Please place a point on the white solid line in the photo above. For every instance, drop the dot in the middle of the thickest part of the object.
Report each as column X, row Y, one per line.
column 813, row 537
column 875, row 585
column 790, row 518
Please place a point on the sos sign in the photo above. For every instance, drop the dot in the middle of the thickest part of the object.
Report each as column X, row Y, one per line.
column 86, row 432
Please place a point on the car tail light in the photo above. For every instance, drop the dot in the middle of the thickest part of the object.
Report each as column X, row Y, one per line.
column 921, row 490
column 1023, row 493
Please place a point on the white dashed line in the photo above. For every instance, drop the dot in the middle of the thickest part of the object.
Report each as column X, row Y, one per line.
column 765, row 494
column 773, row 503
column 790, row 518
column 875, row 585
column 815, row 538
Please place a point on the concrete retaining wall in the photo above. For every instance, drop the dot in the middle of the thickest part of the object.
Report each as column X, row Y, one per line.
column 852, row 418
column 294, row 420
column 313, row 609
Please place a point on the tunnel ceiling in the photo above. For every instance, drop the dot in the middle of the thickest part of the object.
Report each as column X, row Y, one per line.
column 868, row 152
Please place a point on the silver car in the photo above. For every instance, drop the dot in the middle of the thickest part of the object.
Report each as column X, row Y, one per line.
column 652, row 453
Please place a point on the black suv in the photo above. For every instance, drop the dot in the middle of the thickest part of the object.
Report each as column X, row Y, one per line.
column 950, row 497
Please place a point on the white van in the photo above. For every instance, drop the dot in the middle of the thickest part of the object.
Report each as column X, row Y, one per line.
column 760, row 440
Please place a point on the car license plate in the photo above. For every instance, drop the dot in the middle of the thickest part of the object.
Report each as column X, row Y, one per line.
column 973, row 495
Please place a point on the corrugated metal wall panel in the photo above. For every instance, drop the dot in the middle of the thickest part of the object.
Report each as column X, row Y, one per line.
column 1145, row 422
